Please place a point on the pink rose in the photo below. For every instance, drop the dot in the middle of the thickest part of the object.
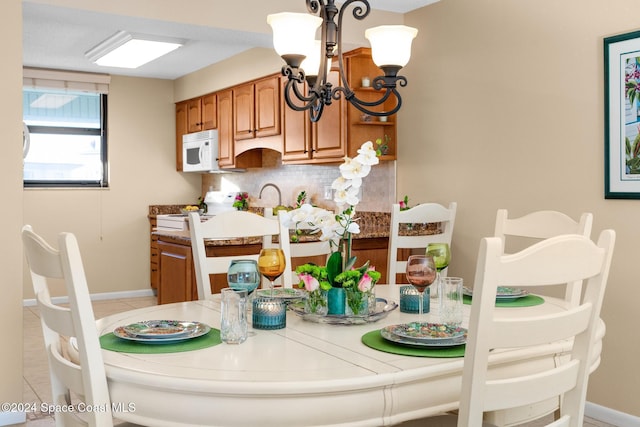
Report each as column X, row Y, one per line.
column 365, row 284
column 402, row 204
column 310, row 282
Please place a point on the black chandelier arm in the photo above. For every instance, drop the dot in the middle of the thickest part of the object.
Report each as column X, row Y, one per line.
column 315, row 112
column 292, row 86
column 360, row 105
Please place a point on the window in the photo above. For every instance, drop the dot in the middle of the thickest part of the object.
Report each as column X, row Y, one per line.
column 67, row 136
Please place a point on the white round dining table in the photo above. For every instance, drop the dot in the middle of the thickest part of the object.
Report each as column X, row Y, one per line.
column 307, row 374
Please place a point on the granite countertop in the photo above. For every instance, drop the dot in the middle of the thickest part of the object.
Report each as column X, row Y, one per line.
column 372, row 225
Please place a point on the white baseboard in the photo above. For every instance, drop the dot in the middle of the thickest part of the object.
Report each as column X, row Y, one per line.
column 610, row 416
column 10, row 418
column 97, row 297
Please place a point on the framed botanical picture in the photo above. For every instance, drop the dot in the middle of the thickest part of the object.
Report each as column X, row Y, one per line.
column 622, row 116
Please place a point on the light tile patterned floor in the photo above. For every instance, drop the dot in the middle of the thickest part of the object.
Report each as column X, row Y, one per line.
column 36, row 373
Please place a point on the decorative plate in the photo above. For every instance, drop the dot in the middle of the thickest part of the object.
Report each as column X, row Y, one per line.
column 283, row 293
column 153, row 335
column 159, row 328
column 503, row 293
column 425, row 333
column 452, row 342
column 382, row 309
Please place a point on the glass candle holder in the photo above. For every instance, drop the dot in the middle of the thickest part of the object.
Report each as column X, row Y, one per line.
column 410, row 300
column 269, row 313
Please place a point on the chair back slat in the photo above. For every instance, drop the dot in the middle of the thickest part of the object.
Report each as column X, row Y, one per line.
column 541, row 329
column 55, row 318
column 501, row 394
column 69, row 373
column 227, row 225
column 425, row 213
column 543, row 225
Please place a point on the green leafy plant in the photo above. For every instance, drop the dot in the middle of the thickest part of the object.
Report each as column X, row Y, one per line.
column 382, row 145
column 632, row 153
column 301, row 199
column 241, row 201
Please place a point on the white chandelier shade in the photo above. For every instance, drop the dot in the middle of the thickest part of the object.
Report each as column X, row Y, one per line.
column 391, row 44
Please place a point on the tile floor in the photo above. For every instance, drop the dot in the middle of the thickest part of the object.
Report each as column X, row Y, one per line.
column 36, row 374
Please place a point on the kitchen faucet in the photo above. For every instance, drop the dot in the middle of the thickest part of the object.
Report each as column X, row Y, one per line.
column 277, row 189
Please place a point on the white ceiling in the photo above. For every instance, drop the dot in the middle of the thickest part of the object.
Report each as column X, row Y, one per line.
column 56, row 37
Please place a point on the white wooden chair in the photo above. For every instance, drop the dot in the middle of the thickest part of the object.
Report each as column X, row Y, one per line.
column 72, row 378
column 227, row 225
column 298, row 250
column 423, row 213
column 561, row 258
column 542, row 225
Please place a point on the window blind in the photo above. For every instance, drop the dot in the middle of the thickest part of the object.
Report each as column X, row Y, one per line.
column 65, row 80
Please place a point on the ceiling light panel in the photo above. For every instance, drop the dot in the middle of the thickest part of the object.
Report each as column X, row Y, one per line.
column 124, row 50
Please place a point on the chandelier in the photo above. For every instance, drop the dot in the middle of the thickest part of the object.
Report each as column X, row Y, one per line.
column 309, row 60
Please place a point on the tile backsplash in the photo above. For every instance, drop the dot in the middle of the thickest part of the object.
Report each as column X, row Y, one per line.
column 378, row 188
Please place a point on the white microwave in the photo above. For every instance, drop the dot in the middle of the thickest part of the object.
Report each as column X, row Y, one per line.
column 200, row 151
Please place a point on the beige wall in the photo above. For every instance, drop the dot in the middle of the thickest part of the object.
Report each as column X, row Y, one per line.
column 111, row 225
column 249, row 65
column 11, row 215
column 504, row 109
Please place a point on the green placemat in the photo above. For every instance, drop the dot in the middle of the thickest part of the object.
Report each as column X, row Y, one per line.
column 528, row 301
column 113, row 343
column 374, row 340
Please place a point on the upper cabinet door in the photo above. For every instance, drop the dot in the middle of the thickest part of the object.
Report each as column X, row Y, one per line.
column 194, row 115
column 209, row 112
column 225, row 128
column 257, row 109
column 267, row 107
column 243, row 112
column 330, row 132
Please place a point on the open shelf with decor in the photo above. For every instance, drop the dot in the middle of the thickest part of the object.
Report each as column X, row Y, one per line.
column 363, row 127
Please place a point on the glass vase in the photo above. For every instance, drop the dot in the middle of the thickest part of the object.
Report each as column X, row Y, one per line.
column 336, row 301
column 357, row 303
column 316, row 302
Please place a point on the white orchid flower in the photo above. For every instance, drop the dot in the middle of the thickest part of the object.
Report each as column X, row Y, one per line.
column 352, row 168
column 348, row 196
column 340, row 183
column 367, row 154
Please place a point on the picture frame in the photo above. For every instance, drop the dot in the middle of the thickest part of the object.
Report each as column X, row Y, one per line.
column 622, row 116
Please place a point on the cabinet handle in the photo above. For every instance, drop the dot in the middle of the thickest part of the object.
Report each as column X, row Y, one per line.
column 154, row 254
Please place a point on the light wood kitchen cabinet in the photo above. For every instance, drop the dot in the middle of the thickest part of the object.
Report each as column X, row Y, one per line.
column 321, row 142
column 177, row 280
column 182, row 126
column 201, row 113
column 176, row 274
column 227, row 145
column 225, row 128
column 256, row 108
column 358, row 64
